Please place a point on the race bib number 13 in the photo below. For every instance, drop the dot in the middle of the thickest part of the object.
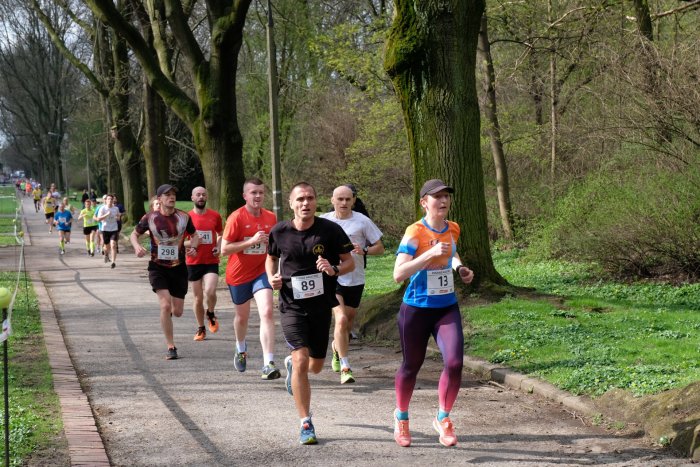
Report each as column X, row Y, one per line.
column 440, row 282
column 307, row 286
column 167, row 252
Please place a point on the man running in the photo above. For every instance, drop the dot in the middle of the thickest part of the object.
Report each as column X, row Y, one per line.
column 167, row 271
column 108, row 215
column 63, row 220
column 49, row 208
column 203, row 269
column 305, row 257
column 36, row 193
column 366, row 240
column 89, row 226
column 245, row 243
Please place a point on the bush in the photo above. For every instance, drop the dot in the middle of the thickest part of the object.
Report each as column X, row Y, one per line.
column 639, row 223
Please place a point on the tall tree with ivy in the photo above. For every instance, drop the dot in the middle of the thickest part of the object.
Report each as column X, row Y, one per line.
column 431, row 59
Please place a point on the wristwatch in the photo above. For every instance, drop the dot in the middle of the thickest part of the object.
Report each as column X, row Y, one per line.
column 335, row 269
column 365, row 250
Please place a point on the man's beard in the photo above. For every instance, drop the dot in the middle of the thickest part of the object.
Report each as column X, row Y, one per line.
column 200, row 204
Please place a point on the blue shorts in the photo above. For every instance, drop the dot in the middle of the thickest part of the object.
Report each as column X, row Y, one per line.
column 244, row 292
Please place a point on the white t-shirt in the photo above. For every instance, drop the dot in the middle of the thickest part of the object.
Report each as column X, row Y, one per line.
column 362, row 231
column 109, row 223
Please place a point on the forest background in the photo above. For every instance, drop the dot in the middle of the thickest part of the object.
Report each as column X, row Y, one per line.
column 590, row 123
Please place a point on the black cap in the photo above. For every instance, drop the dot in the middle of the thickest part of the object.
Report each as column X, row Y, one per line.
column 164, row 189
column 352, row 188
column 433, row 186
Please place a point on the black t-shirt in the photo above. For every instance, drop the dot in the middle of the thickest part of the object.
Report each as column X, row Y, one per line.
column 298, row 251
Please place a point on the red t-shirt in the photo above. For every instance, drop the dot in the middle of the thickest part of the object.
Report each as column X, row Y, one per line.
column 209, row 227
column 248, row 264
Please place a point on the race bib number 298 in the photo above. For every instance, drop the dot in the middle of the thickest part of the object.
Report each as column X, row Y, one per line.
column 167, row 252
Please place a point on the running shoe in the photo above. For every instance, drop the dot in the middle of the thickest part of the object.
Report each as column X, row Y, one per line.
column 335, row 361
column 346, row 376
column 239, row 361
column 200, row 334
column 213, row 323
column 270, row 371
column 172, row 354
column 92, row 253
column 114, row 265
column 308, row 433
column 288, row 379
column 106, row 258
column 401, row 434
column 446, row 431
column 61, row 251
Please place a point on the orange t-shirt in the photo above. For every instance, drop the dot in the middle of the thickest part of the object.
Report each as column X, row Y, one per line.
column 248, row 264
column 209, row 226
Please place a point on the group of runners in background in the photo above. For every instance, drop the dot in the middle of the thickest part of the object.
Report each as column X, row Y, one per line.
column 316, row 263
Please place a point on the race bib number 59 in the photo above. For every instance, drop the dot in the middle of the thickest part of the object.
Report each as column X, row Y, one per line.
column 257, row 249
column 307, row 286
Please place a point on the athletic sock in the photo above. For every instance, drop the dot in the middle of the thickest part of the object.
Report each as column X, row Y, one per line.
column 241, row 346
column 401, row 415
column 305, row 419
column 269, row 357
column 344, row 363
column 442, row 415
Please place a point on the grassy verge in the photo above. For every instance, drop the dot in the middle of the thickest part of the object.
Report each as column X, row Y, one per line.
column 35, row 420
column 642, row 337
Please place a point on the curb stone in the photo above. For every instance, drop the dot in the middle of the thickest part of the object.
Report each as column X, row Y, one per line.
column 530, row 385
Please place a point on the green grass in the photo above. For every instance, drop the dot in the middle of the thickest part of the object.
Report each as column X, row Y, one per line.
column 35, row 420
column 642, row 337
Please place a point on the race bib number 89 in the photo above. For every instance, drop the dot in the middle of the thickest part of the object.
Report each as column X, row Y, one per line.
column 440, row 282
column 167, row 252
column 307, row 286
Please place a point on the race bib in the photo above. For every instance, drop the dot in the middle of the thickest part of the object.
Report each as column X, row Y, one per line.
column 307, row 286
column 440, row 282
column 257, row 249
column 167, row 252
column 205, row 236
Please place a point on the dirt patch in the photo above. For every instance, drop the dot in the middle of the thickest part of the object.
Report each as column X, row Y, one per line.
column 670, row 418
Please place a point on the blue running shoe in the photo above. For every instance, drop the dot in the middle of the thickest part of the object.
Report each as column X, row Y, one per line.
column 308, row 433
column 288, row 380
column 239, row 361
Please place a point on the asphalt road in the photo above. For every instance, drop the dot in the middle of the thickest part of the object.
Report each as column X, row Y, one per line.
column 199, row 410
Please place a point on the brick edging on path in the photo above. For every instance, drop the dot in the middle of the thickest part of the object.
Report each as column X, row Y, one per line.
column 85, row 445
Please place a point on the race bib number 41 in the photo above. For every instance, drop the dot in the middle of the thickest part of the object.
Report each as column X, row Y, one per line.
column 205, row 236
column 167, row 252
column 440, row 282
column 307, row 286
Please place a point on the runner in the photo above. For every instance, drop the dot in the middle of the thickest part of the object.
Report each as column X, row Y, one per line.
column 108, row 215
column 167, row 271
column 49, row 208
column 36, row 193
column 245, row 242
column 89, row 226
column 305, row 256
column 63, row 219
column 203, row 269
column 366, row 240
column 427, row 252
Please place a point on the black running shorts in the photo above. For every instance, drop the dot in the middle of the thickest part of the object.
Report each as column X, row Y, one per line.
column 174, row 279
column 307, row 329
column 196, row 271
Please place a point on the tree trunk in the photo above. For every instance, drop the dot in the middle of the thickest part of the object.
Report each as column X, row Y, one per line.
column 494, row 132
column 155, row 150
column 431, row 59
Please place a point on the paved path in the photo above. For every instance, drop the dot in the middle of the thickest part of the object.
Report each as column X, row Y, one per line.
column 200, row 411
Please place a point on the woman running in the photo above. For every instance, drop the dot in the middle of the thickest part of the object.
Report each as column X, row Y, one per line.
column 89, row 226
column 426, row 255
